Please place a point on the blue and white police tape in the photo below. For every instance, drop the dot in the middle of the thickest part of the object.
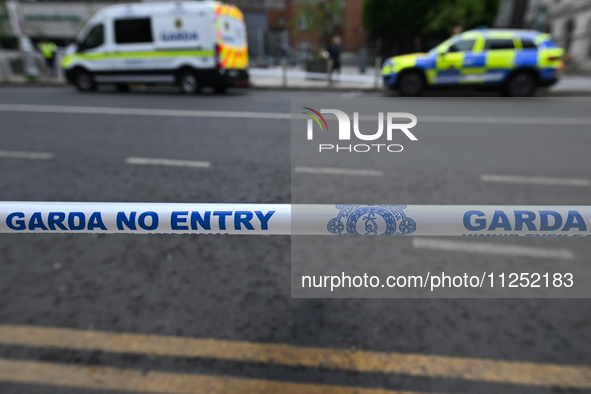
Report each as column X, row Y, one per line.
column 294, row 219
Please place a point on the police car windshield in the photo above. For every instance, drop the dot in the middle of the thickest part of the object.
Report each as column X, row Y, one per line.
column 444, row 43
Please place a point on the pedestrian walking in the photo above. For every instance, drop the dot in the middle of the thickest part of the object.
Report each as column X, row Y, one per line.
column 48, row 50
column 334, row 52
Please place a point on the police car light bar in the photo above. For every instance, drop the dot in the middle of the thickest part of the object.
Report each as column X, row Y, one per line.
column 294, row 219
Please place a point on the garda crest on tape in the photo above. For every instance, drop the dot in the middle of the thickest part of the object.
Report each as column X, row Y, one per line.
column 371, row 220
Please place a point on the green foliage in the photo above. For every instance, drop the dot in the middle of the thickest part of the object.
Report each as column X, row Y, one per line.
column 322, row 18
column 5, row 28
column 466, row 13
column 388, row 18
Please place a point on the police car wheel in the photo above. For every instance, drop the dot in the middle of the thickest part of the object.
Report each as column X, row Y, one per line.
column 188, row 82
column 521, row 85
column 411, row 84
column 84, row 81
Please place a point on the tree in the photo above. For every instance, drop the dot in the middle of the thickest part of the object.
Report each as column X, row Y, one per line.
column 391, row 18
column 5, row 28
column 465, row 13
column 323, row 18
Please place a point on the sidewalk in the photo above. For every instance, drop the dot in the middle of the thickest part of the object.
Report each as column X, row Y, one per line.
column 349, row 79
column 20, row 80
column 572, row 85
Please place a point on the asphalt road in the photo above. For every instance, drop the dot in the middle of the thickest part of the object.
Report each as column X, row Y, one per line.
column 238, row 287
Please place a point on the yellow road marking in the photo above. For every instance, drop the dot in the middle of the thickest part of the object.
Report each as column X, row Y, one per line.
column 510, row 372
column 109, row 378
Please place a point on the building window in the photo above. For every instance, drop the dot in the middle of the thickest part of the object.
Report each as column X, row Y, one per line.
column 589, row 38
column 541, row 19
column 304, row 48
column 303, row 22
column 568, row 35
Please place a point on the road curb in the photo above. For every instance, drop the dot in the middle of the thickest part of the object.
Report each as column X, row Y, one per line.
column 561, row 93
column 318, row 88
column 33, row 84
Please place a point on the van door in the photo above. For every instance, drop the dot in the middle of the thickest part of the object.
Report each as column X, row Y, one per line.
column 232, row 43
column 133, row 48
column 91, row 50
column 184, row 38
column 451, row 62
column 500, row 58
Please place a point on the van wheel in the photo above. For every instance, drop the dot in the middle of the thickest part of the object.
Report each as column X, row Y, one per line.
column 520, row 84
column 188, row 82
column 411, row 84
column 84, row 81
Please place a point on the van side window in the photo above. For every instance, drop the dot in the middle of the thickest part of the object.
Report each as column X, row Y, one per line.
column 94, row 38
column 132, row 31
column 498, row 43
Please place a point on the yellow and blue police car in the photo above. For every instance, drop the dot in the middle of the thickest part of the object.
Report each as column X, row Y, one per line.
column 514, row 61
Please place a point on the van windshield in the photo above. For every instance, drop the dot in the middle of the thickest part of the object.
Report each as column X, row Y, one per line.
column 232, row 31
column 94, row 38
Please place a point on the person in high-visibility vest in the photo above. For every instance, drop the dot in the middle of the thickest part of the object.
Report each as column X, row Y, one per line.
column 48, row 50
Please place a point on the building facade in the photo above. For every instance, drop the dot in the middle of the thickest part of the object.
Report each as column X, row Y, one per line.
column 59, row 21
column 295, row 33
column 273, row 27
column 569, row 23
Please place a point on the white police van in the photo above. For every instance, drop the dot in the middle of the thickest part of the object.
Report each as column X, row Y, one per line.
column 191, row 44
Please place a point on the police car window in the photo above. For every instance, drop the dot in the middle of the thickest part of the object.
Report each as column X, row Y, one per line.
column 133, row 31
column 528, row 44
column 94, row 38
column 498, row 43
column 462, row 46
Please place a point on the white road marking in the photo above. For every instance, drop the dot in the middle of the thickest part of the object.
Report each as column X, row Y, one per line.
column 26, row 155
column 536, row 180
column 352, row 94
column 167, row 162
column 521, row 120
column 71, row 109
column 490, row 248
column 533, row 120
column 337, row 171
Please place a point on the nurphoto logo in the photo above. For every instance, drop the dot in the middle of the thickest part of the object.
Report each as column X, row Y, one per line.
column 344, row 132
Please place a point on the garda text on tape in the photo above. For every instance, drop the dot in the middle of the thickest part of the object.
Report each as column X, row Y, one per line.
column 295, row 219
